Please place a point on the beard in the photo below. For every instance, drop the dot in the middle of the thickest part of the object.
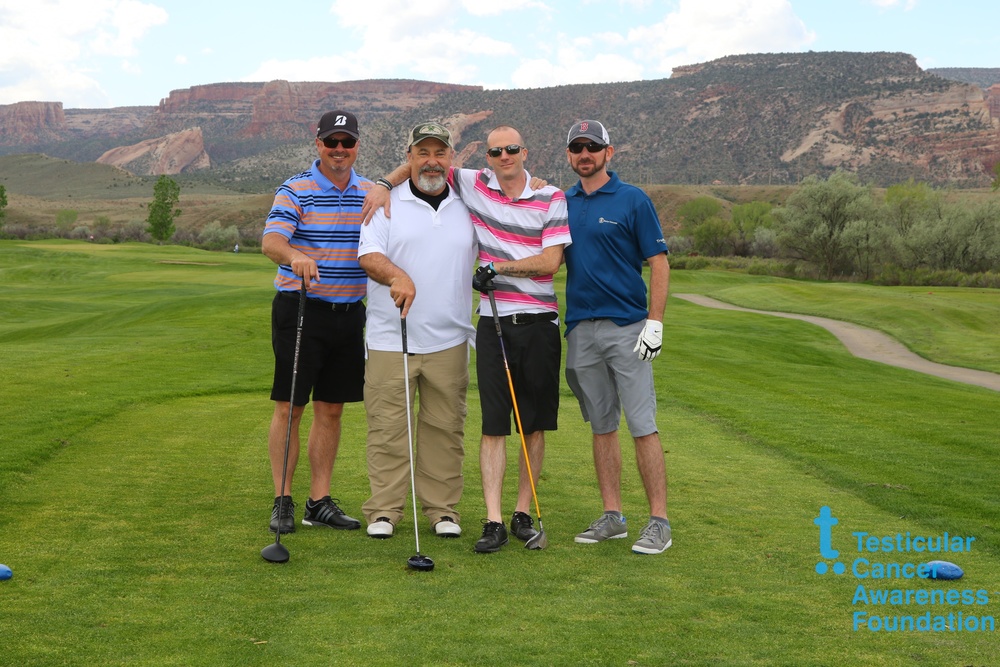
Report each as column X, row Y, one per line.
column 431, row 180
column 585, row 167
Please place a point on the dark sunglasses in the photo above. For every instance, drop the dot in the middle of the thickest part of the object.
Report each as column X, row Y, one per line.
column 591, row 146
column 348, row 142
column 512, row 149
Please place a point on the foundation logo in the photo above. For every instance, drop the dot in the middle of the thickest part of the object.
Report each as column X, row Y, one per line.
column 896, row 591
column 826, row 521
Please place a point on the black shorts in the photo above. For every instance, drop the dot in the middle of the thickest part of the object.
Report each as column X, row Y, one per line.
column 332, row 354
column 534, row 352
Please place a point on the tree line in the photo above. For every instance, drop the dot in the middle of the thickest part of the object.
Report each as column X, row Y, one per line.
column 838, row 228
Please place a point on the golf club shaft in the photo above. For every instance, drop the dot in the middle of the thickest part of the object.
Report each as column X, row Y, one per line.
column 517, row 414
column 291, row 400
column 409, row 429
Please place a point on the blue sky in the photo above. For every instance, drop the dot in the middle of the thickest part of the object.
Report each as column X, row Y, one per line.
column 107, row 53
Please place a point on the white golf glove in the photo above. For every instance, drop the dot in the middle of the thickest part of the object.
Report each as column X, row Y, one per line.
column 650, row 340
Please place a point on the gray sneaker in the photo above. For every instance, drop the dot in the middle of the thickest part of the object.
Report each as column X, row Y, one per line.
column 607, row 527
column 654, row 539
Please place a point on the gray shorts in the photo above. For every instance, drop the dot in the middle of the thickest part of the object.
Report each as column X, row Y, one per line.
column 607, row 376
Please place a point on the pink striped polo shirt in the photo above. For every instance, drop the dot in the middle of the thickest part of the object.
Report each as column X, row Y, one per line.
column 511, row 229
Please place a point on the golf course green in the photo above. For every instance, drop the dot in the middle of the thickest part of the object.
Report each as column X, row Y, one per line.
column 136, row 491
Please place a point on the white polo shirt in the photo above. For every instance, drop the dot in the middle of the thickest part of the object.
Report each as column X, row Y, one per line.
column 437, row 249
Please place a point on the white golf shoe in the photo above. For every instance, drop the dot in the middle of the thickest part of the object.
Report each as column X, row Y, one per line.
column 381, row 528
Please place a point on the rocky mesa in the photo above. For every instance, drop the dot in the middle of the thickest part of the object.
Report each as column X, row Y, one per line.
column 752, row 119
column 173, row 154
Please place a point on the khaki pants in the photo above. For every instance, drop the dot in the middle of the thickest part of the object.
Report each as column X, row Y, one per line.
column 440, row 380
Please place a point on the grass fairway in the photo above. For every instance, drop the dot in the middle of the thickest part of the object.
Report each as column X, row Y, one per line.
column 136, row 492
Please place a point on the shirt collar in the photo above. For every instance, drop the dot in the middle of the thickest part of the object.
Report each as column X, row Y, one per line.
column 327, row 184
column 494, row 183
column 608, row 188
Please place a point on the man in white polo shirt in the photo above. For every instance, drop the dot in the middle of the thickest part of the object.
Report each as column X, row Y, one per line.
column 522, row 232
column 419, row 265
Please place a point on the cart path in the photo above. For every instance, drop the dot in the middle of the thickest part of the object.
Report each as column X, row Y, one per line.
column 869, row 344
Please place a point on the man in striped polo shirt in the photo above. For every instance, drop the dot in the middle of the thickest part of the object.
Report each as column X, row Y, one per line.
column 312, row 234
column 521, row 232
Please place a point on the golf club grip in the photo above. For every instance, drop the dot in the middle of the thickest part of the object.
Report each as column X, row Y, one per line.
column 298, row 342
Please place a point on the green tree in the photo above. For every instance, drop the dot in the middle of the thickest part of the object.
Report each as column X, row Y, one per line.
column 3, row 204
column 714, row 237
column 697, row 211
column 65, row 220
column 746, row 220
column 163, row 209
column 913, row 213
column 812, row 222
column 216, row 237
column 996, row 174
column 907, row 203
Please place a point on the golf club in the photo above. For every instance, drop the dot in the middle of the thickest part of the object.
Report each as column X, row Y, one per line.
column 538, row 541
column 277, row 552
column 419, row 561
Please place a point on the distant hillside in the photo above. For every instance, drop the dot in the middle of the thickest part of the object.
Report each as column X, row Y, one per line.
column 984, row 77
column 754, row 119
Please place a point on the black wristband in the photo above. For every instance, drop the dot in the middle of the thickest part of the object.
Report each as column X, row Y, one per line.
column 384, row 182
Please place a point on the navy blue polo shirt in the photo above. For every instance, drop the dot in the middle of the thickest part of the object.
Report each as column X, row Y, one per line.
column 614, row 229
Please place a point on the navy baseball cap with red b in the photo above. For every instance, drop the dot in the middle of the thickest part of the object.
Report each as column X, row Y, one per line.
column 337, row 121
column 589, row 129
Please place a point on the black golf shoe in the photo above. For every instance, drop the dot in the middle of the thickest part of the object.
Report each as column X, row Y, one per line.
column 521, row 526
column 325, row 512
column 494, row 537
column 285, row 519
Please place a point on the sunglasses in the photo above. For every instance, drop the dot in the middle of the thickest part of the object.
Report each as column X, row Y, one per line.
column 348, row 142
column 591, row 146
column 512, row 149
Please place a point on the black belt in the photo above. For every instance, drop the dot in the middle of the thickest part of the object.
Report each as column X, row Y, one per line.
column 529, row 318
column 320, row 303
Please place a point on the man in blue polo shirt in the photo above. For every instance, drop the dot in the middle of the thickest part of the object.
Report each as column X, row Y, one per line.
column 611, row 335
column 312, row 235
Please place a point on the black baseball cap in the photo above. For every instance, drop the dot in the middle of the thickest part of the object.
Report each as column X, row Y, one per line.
column 337, row 121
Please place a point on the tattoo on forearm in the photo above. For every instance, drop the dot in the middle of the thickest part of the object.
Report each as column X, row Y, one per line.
column 514, row 272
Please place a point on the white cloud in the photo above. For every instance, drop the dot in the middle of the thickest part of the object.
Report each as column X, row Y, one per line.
column 123, row 23
column 576, row 62
column 696, row 31
column 52, row 46
column 481, row 8
column 424, row 38
column 892, row 4
column 700, row 31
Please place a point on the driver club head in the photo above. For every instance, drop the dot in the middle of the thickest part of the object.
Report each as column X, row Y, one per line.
column 420, row 563
column 275, row 553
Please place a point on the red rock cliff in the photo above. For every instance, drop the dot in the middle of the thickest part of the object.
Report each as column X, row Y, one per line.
column 29, row 122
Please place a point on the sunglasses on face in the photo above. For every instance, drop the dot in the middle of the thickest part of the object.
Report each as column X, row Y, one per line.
column 512, row 149
column 591, row 146
column 347, row 142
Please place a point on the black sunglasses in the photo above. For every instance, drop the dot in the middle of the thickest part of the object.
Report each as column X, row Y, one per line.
column 512, row 149
column 348, row 142
column 591, row 146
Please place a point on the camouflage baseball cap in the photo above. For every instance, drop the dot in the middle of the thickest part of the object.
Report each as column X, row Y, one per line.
column 430, row 130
